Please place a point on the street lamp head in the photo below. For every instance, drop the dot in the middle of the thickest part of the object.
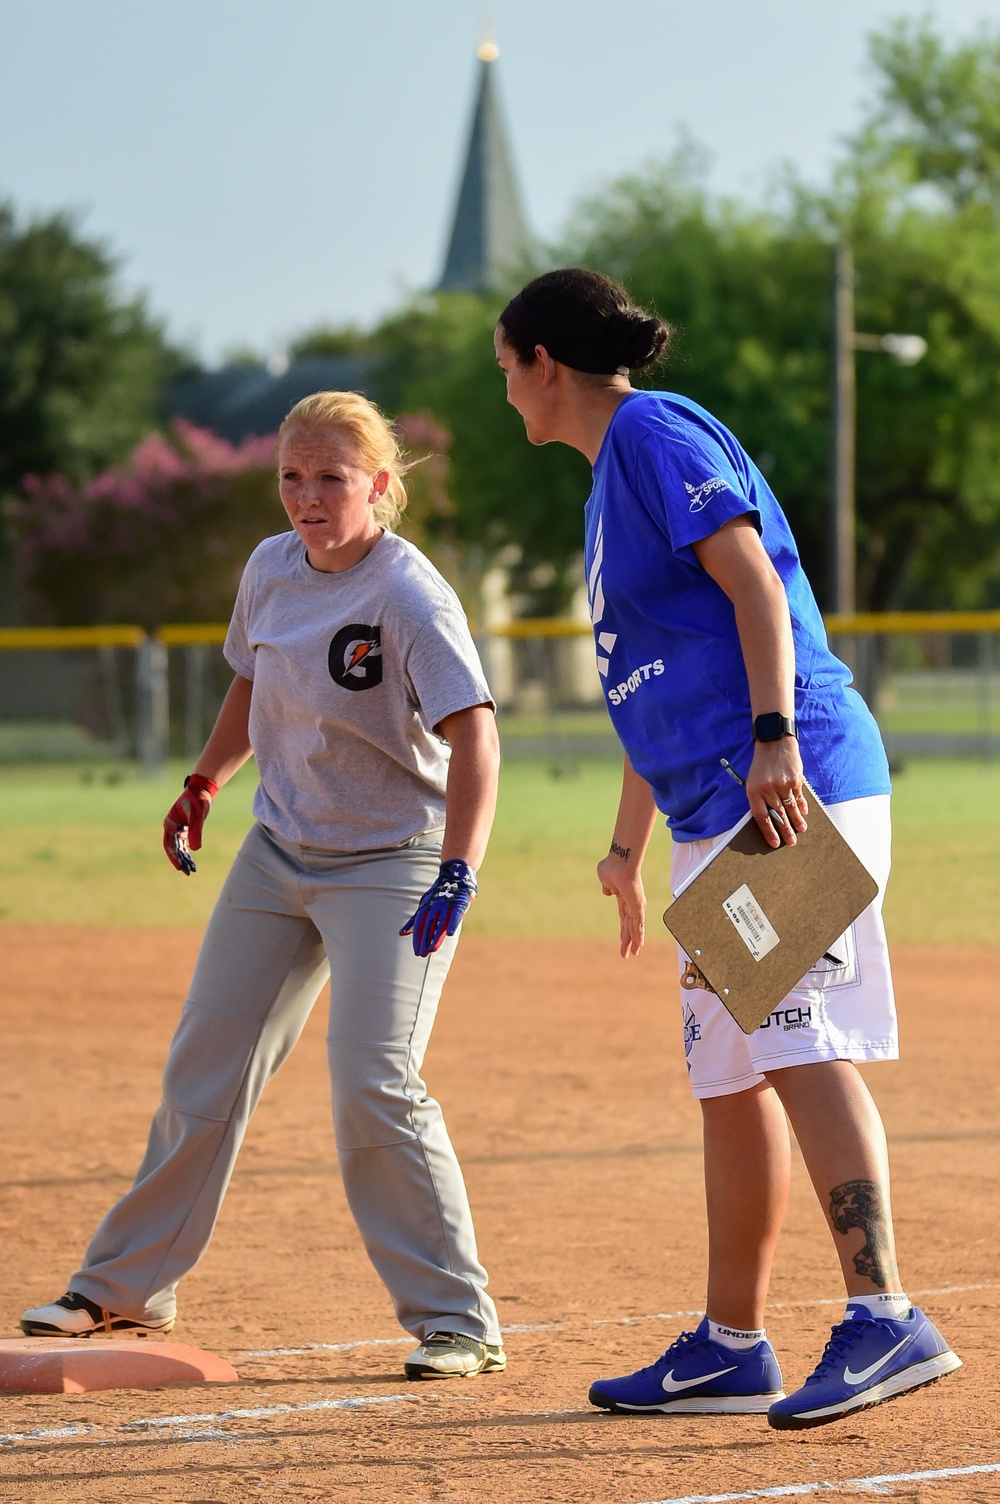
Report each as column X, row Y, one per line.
column 905, row 349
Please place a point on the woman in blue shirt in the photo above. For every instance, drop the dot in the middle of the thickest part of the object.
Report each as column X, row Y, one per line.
column 710, row 645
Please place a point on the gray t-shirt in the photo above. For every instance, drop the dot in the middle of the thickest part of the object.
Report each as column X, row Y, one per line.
column 351, row 673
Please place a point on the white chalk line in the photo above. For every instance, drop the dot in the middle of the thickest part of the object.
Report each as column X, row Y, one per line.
column 560, row 1326
column 346, row 1347
column 876, row 1483
column 148, row 1429
column 264, row 1412
column 329, row 1347
column 58, row 1433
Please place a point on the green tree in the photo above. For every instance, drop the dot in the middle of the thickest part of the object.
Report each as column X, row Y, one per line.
column 928, row 470
column 82, row 369
column 746, row 292
column 330, row 340
column 938, row 114
column 510, row 500
column 933, row 143
column 750, row 294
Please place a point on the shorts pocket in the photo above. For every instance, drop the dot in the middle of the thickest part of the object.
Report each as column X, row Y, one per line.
column 838, row 968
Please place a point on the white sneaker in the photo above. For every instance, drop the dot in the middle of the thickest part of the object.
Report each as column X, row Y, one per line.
column 452, row 1355
column 73, row 1315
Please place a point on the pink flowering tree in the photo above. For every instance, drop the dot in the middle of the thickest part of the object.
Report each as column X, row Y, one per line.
column 162, row 539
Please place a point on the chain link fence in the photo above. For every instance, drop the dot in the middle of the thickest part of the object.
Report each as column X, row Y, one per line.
column 116, row 696
column 931, row 678
column 108, row 696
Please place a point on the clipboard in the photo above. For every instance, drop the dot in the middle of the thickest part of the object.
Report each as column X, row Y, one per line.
column 754, row 919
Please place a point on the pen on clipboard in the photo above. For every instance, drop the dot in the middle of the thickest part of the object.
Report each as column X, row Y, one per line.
column 777, row 817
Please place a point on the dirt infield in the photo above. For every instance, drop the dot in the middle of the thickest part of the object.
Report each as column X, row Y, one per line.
column 563, row 1079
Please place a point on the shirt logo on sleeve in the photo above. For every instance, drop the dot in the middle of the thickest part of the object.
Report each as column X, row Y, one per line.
column 355, row 656
column 702, row 495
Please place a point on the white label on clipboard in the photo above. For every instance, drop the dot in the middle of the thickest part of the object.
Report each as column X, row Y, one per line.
column 752, row 924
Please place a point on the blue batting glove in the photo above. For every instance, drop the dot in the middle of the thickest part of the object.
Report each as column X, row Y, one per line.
column 442, row 908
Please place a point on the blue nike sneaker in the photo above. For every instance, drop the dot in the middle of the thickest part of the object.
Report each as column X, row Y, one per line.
column 697, row 1376
column 867, row 1360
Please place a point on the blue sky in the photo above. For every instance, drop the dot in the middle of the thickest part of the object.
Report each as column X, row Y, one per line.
column 263, row 165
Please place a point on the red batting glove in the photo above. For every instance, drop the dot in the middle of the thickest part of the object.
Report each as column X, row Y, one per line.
column 184, row 820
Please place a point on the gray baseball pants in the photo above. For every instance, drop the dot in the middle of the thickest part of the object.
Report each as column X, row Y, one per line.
column 287, row 918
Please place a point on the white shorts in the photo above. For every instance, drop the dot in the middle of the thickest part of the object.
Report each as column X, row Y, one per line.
column 836, row 1012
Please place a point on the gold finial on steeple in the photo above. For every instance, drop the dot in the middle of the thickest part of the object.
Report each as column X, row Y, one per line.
column 487, row 51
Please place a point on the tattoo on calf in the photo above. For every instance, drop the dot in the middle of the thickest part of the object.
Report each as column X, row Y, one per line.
column 858, row 1203
column 623, row 851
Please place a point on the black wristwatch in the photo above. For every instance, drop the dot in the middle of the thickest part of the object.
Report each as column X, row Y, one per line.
column 772, row 727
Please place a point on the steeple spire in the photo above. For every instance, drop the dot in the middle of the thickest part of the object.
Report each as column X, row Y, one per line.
column 489, row 234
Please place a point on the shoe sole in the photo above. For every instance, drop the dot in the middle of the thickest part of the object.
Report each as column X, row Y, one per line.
column 917, row 1376
column 722, row 1404
column 424, row 1371
column 49, row 1329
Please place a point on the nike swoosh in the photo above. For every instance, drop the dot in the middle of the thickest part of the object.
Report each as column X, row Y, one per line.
column 866, row 1373
column 674, row 1386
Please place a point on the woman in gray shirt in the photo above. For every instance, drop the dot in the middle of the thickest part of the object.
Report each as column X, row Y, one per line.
column 360, row 693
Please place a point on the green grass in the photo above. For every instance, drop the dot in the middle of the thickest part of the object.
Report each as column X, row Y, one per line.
column 88, row 852
column 83, row 846
column 945, row 884
column 952, row 702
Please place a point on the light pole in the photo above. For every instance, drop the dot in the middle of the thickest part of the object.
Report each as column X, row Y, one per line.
column 906, row 350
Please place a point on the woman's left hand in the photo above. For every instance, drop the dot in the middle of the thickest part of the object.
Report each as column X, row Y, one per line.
column 442, row 908
column 775, row 782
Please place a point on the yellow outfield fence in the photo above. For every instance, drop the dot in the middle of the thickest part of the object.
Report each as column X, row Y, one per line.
column 912, row 623
column 209, row 634
column 62, row 639
column 929, row 676
column 120, row 692
column 24, row 639
column 184, row 634
column 889, row 623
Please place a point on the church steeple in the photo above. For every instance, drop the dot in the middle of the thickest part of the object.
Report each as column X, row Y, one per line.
column 489, row 234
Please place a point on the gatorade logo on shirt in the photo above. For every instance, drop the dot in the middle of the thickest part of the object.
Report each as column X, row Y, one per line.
column 355, row 656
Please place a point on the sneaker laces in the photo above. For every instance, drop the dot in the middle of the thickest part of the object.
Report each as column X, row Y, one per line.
column 684, row 1344
column 72, row 1301
column 842, row 1339
column 454, row 1339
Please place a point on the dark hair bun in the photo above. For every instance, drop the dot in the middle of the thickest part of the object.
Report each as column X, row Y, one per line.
column 641, row 340
column 584, row 320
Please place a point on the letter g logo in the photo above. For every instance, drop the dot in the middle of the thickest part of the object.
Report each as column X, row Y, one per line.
column 355, row 657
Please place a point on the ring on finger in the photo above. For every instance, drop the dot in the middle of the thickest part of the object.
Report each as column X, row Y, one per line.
column 791, row 800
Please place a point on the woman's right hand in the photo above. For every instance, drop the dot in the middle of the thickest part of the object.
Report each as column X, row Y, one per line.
column 621, row 879
column 184, row 820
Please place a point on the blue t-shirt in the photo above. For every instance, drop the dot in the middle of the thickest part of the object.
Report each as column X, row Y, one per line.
column 668, row 652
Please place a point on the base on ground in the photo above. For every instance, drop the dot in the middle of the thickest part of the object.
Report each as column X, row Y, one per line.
column 64, row 1365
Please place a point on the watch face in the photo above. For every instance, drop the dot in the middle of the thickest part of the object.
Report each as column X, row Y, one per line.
column 772, row 727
